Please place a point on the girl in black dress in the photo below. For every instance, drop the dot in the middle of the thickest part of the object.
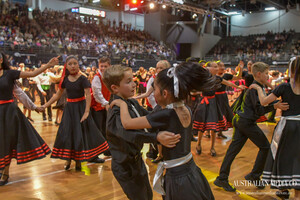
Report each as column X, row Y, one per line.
column 183, row 179
column 18, row 138
column 78, row 137
column 208, row 115
column 282, row 168
column 221, row 96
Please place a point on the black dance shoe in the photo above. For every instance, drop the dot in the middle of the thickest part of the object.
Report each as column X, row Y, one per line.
column 30, row 119
column 213, row 153
column 44, row 118
column 283, row 194
column 107, row 153
column 225, row 185
column 97, row 160
column 67, row 165
column 78, row 166
column 157, row 160
column 221, row 136
column 199, row 151
column 255, row 181
column 50, row 119
column 4, row 182
column 194, row 139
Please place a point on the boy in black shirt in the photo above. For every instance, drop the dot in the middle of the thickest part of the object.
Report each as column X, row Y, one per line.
column 125, row 145
column 245, row 126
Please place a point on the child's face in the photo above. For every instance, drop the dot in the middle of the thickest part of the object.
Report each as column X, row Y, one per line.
column 73, row 66
column 103, row 66
column 160, row 67
column 127, row 86
column 213, row 69
column 221, row 68
column 262, row 77
column 160, row 98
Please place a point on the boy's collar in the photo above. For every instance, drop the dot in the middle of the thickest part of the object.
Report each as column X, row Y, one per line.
column 258, row 83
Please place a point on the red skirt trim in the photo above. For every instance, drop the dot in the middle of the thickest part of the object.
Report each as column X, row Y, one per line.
column 217, row 126
column 79, row 155
column 27, row 156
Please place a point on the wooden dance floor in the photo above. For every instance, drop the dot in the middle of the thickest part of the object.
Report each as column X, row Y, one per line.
column 46, row 179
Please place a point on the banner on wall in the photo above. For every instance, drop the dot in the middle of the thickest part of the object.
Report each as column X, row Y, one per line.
column 23, row 2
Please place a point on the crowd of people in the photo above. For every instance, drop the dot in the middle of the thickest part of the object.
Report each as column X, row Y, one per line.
column 261, row 47
column 59, row 32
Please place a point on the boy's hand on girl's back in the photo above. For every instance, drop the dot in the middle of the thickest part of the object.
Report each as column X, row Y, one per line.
column 281, row 105
column 254, row 86
column 168, row 139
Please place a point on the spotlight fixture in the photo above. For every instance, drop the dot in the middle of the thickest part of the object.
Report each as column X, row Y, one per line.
column 151, row 5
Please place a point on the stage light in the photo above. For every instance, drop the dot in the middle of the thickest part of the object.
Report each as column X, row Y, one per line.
column 133, row 9
column 118, row 4
column 151, row 5
column 194, row 16
column 270, row 8
column 134, row 1
column 233, row 13
column 164, row 6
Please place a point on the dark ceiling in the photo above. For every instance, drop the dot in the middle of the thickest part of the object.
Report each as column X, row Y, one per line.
column 246, row 5
column 215, row 5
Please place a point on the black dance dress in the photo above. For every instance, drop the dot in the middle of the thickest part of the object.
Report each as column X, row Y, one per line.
column 283, row 172
column 185, row 181
column 223, row 102
column 77, row 141
column 18, row 138
column 208, row 115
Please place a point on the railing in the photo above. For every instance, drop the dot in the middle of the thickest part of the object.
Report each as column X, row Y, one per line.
column 234, row 59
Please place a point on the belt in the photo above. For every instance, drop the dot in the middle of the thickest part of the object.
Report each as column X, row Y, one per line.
column 6, row 101
column 45, row 87
column 220, row 92
column 143, row 83
column 158, row 179
column 76, row 100
column 205, row 99
column 278, row 132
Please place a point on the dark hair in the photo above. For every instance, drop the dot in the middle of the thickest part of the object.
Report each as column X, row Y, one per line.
column 5, row 64
column 275, row 73
column 295, row 69
column 191, row 76
column 104, row 60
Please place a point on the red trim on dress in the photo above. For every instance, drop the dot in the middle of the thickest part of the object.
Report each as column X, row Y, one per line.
column 23, row 157
column 79, row 155
column 75, row 100
column 6, row 101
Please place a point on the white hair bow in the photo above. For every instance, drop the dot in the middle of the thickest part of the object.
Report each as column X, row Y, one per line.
column 171, row 73
column 290, row 66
